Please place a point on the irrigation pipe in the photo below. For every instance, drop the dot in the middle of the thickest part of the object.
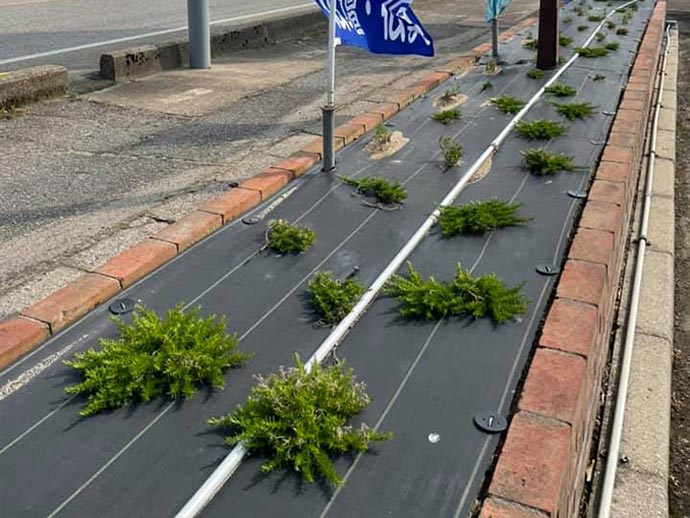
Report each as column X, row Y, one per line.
column 624, row 380
column 232, row 461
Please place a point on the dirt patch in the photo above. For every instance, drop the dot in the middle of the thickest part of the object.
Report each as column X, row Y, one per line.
column 679, row 484
column 483, row 170
column 379, row 150
column 450, row 102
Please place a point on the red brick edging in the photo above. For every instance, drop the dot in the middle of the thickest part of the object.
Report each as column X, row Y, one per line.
column 541, row 467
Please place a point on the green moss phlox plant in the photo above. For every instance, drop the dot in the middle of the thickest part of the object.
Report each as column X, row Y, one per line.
column 560, row 90
column 289, row 239
column 452, row 151
column 540, row 162
column 331, row 298
column 535, row 73
column 592, row 52
column 540, row 129
column 382, row 134
column 154, row 357
column 298, row 419
column 621, row 31
column 564, row 41
column 446, row 116
column 582, row 28
column 508, row 104
column 612, row 46
column 383, row 190
column 465, row 295
column 479, row 217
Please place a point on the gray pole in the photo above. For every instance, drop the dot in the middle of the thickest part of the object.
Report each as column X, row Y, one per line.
column 329, row 110
column 199, row 34
column 494, row 38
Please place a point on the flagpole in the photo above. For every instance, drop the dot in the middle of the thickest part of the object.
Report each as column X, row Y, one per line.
column 329, row 110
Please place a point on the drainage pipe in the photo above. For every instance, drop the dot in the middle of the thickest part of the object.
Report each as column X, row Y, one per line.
column 232, row 461
column 624, row 380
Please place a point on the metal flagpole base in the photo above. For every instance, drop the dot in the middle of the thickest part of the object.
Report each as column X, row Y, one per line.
column 494, row 39
column 199, row 34
column 328, row 138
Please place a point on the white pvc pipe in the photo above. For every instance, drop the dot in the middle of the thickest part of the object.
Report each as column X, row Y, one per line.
column 224, row 471
column 624, row 380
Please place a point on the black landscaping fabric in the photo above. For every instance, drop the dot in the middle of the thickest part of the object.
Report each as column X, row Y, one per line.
column 424, row 378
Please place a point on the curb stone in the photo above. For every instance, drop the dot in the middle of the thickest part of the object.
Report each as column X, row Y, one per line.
column 19, row 334
column 20, row 87
column 540, row 470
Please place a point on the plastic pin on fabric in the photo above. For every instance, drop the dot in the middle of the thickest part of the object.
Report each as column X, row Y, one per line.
column 579, row 195
column 547, row 269
column 122, row 306
column 490, row 422
column 251, row 221
column 434, row 438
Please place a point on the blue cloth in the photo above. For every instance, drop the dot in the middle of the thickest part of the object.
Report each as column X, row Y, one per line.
column 495, row 8
column 380, row 26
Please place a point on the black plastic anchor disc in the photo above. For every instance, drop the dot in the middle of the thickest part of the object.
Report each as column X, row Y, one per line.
column 490, row 422
column 122, row 306
column 547, row 269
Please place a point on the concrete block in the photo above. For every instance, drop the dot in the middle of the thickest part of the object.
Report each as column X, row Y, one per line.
column 667, row 120
column 639, row 495
column 31, row 84
column 666, row 144
column 661, row 225
column 655, row 316
column 133, row 62
column 664, row 177
column 647, row 426
column 668, row 99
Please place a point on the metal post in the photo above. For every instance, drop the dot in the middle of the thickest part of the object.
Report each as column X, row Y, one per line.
column 199, row 34
column 494, row 39
column 329, row 110
column 547, row 53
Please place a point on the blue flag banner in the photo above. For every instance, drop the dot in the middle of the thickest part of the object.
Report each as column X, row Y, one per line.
column 494, row 8
column 380, row 26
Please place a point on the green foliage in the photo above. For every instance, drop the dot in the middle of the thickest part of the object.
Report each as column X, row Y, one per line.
column 610, row 25
column 491, row 66
column 572, row 111
column 612, row 46
column 598, row 77
column 540, row 129
column 446, row 116
column 600, row 36
column 582, row 28
column 452, row 151
column 621, row 31
column 579, row 11
column 560, row 90
column 331, row 298
column 382, row 134
column 298, row 419
column 567, row 20
column 592, row 52
column 289, row 239
column 535, row 73
column 450, row 94
column 155, row 357
column 508, row 104
column 465, row 295
column 595, row 17
column 383, row 190
column 540, row 162
column 564, row 41
column 486, row 85
column 531, row 44
column 479, row 217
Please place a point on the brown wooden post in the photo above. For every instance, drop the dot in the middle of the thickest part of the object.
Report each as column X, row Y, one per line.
column 547, row 53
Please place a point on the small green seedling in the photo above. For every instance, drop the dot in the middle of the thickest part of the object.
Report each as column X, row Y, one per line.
column 621, row 31
column 450, row 95
column 285, row 238
column 599, row 77
column 592, row 52
column 595, row 18
column 383, row 190
column 153, row 357
column 600, row 36
column 612, row 46
column 479, row 217
column 535, row 73
column 333, row 299
column 572, row 111
column 540, row 129
column 564, row 41
column 486, row 85
column 582, row 28
column 298, row 418
column 508, row 104
column 446, row 116
column 567, row 20
column 452, row 151
column 531, row 44
column 382, row 134
column 464, row 296
column 560, row 90
column 579, row 11
column 610, row 25
column 491, row 66
column 540, row 162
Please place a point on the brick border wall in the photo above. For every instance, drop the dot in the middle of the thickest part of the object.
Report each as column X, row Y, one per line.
column 540, row 469
column 35, row 324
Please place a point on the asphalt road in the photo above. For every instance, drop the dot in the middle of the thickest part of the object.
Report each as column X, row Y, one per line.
column 31, row 27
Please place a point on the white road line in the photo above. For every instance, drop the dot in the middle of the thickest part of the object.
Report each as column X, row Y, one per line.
column 154, row 34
